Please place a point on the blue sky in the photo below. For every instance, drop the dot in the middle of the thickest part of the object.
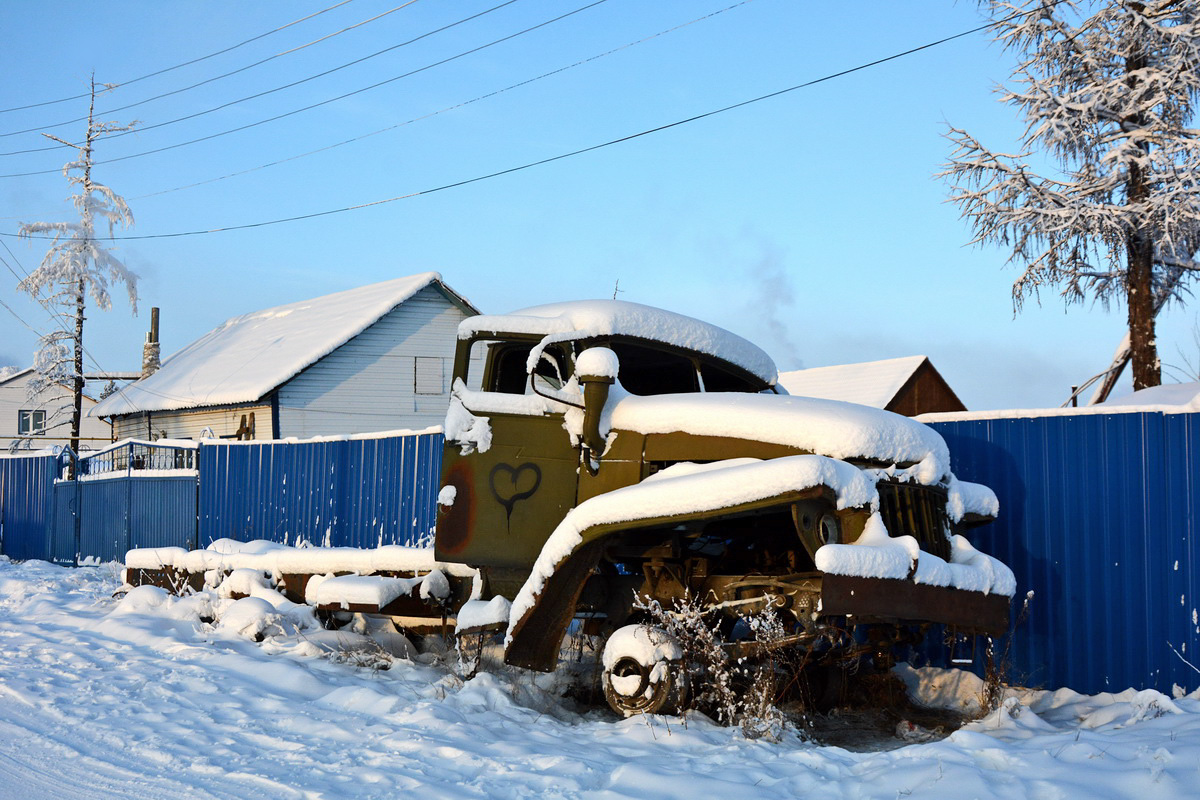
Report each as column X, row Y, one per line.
column 810, row 223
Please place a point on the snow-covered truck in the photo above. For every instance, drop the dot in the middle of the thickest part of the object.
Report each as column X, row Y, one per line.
column 602, row 451
column 602, row 456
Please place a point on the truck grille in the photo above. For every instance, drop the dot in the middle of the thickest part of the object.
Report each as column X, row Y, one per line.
column 918, row 511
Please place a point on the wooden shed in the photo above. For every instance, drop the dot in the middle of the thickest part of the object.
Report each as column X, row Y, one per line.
column 908, row 386
column 368, row 359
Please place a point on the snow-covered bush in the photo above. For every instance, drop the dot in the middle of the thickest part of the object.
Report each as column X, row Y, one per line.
column 735, row 691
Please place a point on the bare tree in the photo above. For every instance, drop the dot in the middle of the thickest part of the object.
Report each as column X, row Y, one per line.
column 77, row 265
column 1107, row 91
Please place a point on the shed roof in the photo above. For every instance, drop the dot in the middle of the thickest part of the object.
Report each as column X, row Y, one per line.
column 243, row 359
column 870, row 383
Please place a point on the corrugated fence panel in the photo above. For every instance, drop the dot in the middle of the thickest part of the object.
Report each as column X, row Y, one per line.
column 104, row 518
column 26, row 505
column 162, row 512
column 1098, row 518
column 63, row 543
column 340, row 493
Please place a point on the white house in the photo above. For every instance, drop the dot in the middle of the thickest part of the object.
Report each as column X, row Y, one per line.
column 367, row 359
column 44, row 420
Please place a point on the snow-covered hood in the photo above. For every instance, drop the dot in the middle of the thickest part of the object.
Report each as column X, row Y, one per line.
column 826, row 427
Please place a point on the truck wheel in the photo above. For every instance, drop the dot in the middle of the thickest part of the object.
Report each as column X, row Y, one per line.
column 643, row 672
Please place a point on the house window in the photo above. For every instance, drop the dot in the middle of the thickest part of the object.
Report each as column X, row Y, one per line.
column 429, row 375
column 31, row 423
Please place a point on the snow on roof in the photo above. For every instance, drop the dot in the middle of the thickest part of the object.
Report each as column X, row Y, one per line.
column 1172, row 398
column 870, row 383
column 591, row 318
column 246, row 357
column 9, row 373
column 1169, row 394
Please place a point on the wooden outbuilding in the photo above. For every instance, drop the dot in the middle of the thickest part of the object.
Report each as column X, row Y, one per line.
column 908, row 386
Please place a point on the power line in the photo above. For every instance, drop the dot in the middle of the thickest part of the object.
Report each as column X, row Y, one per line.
column 185, row 63
column 37, row 128
column 54, row 315
column 562, row 156
column 447, row 108
column 143, row 128
column 9, row 309
column 318, row 104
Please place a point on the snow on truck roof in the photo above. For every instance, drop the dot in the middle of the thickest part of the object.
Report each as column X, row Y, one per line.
column 246, row 357
column 593, row 318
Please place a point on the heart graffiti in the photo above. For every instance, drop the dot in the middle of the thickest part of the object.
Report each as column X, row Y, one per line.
column 510, row 484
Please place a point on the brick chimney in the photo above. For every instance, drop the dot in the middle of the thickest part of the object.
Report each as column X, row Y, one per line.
column 150, row 354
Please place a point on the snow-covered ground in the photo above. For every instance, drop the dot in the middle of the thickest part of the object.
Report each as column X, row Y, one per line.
column 107, row 698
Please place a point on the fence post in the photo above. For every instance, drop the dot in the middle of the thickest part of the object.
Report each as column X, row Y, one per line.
column 76, row 499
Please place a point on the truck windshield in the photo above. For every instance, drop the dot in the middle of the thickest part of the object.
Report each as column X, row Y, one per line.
column 644, row 370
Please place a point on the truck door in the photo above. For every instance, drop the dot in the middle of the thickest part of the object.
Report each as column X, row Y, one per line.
column 509, row 498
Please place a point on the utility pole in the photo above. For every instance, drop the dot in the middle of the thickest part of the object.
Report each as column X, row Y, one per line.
column 71, row 263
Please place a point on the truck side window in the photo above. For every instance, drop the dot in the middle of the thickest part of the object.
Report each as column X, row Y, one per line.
column 508, row 370
column 509, row 364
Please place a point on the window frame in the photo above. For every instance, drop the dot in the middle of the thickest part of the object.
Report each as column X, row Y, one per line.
column 31, row 422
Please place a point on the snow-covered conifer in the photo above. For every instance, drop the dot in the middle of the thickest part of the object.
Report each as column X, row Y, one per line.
column 1108, row 92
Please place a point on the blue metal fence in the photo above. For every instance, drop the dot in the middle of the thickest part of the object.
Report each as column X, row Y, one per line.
column 1098, row 516
column 355, row 493
column 26, row 505
column 341, row 493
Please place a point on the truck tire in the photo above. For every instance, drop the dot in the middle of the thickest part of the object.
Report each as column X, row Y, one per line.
column 644, row 672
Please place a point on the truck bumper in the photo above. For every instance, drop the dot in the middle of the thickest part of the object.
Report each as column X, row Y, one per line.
column 890, row 600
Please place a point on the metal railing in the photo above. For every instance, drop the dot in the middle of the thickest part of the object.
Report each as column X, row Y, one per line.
column 136, row 456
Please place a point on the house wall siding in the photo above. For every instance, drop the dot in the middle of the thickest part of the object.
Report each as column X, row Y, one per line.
column 368, row 384
column 14, row 397
column 190, row 423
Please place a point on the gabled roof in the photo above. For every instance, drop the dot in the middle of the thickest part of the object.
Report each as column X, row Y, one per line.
column 12, row 376
column 595, row 318
column 870, row 383
column 242, row 360
column 28, row 371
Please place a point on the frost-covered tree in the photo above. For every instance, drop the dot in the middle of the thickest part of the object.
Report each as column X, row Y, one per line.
column 1108, row 92
column 75, row 266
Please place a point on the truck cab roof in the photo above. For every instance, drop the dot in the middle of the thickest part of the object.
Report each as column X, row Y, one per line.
column 623, row 320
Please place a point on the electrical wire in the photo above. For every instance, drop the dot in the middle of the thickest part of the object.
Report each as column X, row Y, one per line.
column 308, row 107
column 257, row 95
column 447, row 108
column 580, row 151
column 10, row 310
column 185, row 63
column 560, row 156
column 54, row 315
column 106, row 112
